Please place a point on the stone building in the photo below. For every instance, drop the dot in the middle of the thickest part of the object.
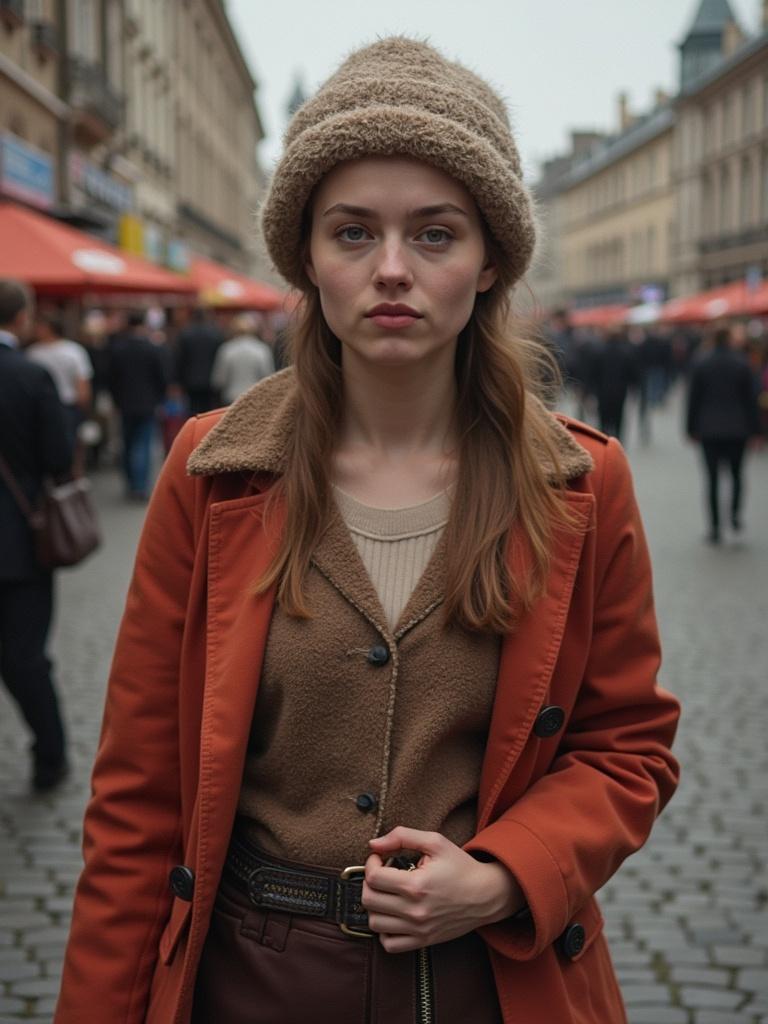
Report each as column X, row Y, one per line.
column 676, row 200
column 135, row 120
column 217, row 127
column 721, row 168
column 33, row 117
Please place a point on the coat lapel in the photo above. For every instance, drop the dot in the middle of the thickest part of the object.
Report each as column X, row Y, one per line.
column 528, row 655
column 240, row 546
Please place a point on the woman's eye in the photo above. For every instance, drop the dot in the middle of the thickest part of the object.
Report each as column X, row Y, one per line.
column 352, row 233
column 436, row 236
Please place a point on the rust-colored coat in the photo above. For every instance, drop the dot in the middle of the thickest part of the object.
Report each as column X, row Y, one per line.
column 561, row 814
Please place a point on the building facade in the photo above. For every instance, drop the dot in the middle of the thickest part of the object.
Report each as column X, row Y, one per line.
column 721, row 172
column 676, row 200
column 618, row 213
column 135, row 120
column 217, row 128
column 33, row 116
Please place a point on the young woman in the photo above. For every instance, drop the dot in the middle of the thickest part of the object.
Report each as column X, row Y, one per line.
column 383, row 713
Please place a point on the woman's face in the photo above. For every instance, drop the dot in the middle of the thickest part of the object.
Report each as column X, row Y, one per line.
column 398, row 254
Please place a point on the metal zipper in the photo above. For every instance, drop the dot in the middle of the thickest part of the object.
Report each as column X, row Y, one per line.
column 424, row 994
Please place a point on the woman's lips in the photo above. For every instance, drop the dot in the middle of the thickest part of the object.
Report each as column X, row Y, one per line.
column 394, row 321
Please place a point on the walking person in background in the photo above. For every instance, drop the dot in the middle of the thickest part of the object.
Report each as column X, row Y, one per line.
column 35, row 442
column 68, row 364
column 242, row 361
column 613, row 372
column 196, row 346
column 138, row 379
column 722, row 415
column 383, row 713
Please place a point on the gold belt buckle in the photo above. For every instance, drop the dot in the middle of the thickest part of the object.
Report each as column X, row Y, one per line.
column 345, row 875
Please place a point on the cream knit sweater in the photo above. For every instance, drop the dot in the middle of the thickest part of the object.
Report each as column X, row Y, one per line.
column 395, row 544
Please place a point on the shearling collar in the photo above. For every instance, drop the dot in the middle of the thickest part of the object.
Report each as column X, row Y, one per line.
column 252, row 435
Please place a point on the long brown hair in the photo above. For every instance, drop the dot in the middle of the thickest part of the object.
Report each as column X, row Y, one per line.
column 502, row 437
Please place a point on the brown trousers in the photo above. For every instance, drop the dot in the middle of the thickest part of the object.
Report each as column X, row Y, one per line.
column 272, row 967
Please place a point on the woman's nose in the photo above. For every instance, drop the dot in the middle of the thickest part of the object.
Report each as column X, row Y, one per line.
column 392, row 265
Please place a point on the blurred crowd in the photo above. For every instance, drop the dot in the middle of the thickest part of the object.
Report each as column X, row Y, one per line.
column 126, row 375
column 614, row 373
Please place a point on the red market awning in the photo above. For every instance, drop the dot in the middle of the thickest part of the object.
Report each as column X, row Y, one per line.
column 598, row 316
column 735, row 299
column 222, row 287
column 56, row 259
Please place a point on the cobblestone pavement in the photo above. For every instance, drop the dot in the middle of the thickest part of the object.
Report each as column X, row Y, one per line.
column 686, row 917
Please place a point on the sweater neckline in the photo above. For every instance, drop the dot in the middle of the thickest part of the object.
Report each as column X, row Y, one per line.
column 394, row 523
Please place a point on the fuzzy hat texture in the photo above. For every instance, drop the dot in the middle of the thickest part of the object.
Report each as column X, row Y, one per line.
column 401, row 97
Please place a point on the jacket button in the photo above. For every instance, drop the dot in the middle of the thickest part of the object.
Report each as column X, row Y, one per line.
column 182, row 882
column 549, row 721
column 572, row 941
column 378, row 655
column 366, row 802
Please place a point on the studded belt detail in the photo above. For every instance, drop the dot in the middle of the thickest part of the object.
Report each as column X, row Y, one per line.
column 273, row 884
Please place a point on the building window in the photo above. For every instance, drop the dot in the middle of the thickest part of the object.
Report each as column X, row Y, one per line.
column 748, row 109
column 745, row 193
column 726, row 209
column 707, row 207
column 85, row 29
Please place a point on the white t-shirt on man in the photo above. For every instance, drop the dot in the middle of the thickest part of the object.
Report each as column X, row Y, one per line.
column 66, row 361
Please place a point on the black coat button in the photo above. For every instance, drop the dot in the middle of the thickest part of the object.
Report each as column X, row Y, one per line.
column 182, row 882
column 366, row 802
column 572, row 941
column 378, row 655
column 549, row 721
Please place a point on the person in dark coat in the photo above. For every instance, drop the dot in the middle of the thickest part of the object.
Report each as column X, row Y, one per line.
column 613, row 370
column 34, row 443
column 722, row 415
column 138, row 379
column 196, row 348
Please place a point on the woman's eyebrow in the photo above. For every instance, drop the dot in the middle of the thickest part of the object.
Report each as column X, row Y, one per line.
column 422, row 211
column 351, row 211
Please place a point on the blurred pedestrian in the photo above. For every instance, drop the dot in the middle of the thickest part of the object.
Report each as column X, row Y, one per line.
column 195, row 352
column 722, row 415
column 242, row 361
column 68, row 364
column 613, row 372
column 641, row 343
column 98, row 429
column 355, row 590
column 35, row 442
column 138, row 376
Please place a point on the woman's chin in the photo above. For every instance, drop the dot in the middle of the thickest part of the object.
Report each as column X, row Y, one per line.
column 391, row 353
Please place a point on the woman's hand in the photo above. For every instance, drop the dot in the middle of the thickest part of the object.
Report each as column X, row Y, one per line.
column 447, row 895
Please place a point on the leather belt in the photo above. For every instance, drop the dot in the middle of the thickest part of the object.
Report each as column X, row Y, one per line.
column 274, row 884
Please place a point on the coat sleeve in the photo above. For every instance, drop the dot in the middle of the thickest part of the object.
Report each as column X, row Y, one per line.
column 613, row 773
column 131, row 830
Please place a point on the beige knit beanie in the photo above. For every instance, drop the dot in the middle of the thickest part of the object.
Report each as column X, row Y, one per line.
column 402, row 97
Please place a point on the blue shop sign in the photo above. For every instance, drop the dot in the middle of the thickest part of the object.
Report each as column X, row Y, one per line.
column 99, row 185
column 26, row 173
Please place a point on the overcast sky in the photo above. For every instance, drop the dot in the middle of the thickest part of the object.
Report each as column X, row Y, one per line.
column 558, row 63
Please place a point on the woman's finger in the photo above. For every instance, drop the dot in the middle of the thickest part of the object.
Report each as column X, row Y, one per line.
column 384, row 902
column 384, row 923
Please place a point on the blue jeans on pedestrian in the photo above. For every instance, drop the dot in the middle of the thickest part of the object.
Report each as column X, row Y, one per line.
column 137, row 452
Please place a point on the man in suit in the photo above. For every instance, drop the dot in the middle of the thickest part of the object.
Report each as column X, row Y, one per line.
column 722, row 415
column 35, row 442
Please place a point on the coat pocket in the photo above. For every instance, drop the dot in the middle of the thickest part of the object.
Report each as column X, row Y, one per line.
column 174, row 929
